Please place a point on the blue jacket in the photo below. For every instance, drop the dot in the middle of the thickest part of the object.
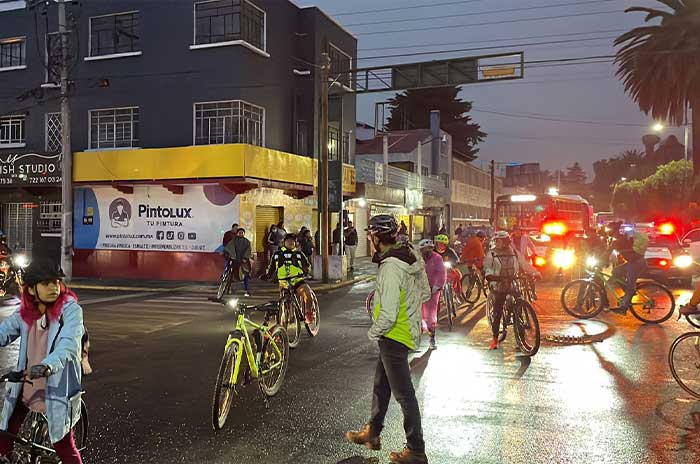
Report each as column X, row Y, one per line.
column 63, row 389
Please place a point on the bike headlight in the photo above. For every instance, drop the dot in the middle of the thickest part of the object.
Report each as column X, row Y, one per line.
column 21, row 261
column 233, row 303
column 591, row 261
column 448, row 265
column 563, row 259
column 683, row 261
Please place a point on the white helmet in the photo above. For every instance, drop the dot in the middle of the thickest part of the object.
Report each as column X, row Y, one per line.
column 501, row 234
column 426, row 243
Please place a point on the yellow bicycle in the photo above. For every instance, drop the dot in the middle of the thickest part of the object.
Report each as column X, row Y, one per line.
column 267, row 354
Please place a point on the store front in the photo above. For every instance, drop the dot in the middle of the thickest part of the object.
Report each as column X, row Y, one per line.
column 30, row 203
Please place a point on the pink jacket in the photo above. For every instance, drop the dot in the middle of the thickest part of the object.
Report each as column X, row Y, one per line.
column 435, row 268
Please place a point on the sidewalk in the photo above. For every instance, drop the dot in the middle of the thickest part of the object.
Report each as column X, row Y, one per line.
column 364, row 270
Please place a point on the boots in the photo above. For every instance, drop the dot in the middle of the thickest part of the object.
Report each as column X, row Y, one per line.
column 431, row 334
column 408, row 456
column 367, row 437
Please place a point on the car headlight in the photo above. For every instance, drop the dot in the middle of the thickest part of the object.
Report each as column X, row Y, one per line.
column 591, row 261
column 21, row 261
column 683, row 261
column 563, row 259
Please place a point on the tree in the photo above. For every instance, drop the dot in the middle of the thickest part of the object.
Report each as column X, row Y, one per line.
column 660, row 65
column 411, row 110
column 575, row 174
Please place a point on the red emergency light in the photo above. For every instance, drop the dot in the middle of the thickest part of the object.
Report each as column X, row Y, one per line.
column 667, row 228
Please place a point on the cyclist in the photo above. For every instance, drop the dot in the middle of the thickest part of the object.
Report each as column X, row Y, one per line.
column 402, row 287
column 631, row 245
column 454, row 276
column 435, row 269
column 473, row 251
column 49, row 324
column 500, row 268
column 288, row 261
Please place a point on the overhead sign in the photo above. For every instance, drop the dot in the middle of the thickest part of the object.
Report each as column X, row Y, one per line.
column 30, row 169
column 154, row 219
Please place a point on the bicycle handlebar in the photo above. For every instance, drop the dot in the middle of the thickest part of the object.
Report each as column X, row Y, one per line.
column 298, row 276
column 15, row 377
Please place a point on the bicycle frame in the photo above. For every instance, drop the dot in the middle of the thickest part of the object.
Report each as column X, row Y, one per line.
column 242, row 324
column 609, row 281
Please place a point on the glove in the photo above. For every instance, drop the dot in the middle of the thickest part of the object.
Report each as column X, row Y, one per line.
column 38, row 371
column 435, row 289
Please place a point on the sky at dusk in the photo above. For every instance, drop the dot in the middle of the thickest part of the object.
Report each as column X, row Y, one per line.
column 589, row 93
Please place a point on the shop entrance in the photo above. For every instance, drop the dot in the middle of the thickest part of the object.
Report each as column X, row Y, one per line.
column 265, row 216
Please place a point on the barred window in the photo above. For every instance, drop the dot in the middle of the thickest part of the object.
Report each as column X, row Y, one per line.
column 13, row 52
column 112, row 34
column 229, row 20
column 333, row 143
column 229, row 122
column 50, row 214
column 12, row 130
column 53, row 133
column 114, row 128
column 341, row 64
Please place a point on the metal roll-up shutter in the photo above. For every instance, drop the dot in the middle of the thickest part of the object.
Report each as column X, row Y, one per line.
column 264, row 217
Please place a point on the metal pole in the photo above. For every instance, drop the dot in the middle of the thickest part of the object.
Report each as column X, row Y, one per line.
column 323, row 180
column 493, row 192
column 67, row 154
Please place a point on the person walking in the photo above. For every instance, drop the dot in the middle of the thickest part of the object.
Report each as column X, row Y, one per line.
column 228, row 236
column 281, row 233
column 271, row 242
column 402, row 287
column 306, row 244
column 351, row 244
column 240, row 251
column 336, row 239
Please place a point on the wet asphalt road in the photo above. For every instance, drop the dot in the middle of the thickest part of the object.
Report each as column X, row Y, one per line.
column 156, row 357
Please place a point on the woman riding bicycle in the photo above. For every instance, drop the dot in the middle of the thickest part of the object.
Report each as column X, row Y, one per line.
column 49, row 323
column 454, row 276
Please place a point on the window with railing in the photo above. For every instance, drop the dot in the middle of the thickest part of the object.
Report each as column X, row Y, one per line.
column 341, row 64
column 50, row 213
column 13, row 52
column 219, row 21
column 114, row 128
column 114, row 34
column 53, row 133
column 346, row 147
column 12, row 130
column 229, row 122
column 333, row 143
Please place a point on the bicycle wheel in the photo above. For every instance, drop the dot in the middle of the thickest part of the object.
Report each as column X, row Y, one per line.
column 287, row 318
column 490, row 301
column 447, row 302
column 271, row 378
column 225, row 284
column 369, row 305
column 652, row 303
column 224, row 391
column 582, row 299
column 684, row 361
column 315, row 325
column 693, row 320
column 81, row 428
column 471, row 288
column 527, row 328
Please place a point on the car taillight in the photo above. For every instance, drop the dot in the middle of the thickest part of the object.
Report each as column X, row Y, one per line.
column 554, row 228
column 540, row 261
column 667, row 228
column 663, row 262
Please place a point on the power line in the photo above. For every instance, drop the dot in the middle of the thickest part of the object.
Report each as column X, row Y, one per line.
column 550, row 139
column 407, row 7
column 477, row 13
column 509, row 21
column 555, row 119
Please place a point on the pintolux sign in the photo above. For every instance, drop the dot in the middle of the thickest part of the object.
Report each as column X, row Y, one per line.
column 160, row 212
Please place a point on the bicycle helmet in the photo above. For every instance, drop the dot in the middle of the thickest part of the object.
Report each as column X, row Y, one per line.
column 426, row 243
column 442, row 238
column 501, row 234
column 383, row 225
column 41, row 271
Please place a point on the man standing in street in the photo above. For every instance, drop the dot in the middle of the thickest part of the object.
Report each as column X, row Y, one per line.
column 240, row 251
column 351, row 244
column 229, row 235
column 402, row 287
column 336, row 239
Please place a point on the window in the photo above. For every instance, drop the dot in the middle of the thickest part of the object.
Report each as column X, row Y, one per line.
column 333, row 143
column 302, row 131
column 50, row 213
column 424, row 171
column 229, row 122
column 114, row 128
column 341, row 63
column 346, row 147
column 13, row 53
column 53, row 57
column 53, row 133
column 220, row 21
column 12, row 130
column 114, row 34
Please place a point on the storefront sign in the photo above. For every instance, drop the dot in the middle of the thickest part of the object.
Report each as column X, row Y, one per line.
column 154, row 219
column 30, row 169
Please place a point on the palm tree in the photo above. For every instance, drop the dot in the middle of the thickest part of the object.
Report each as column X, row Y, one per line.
column 659, row 65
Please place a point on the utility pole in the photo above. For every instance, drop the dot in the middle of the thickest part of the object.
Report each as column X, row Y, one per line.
column 323, row 178
column 493, row 192
column 67, row 154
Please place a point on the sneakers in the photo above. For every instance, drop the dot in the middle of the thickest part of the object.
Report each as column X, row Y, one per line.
column 408, row 456
column 494, row 344
column 689, row 310
column 366, row 437
column 622, row 310
column 432, row 343
column 246, row 294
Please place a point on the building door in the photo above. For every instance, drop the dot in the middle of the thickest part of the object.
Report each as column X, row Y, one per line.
column 265, row 216
column 17, row 225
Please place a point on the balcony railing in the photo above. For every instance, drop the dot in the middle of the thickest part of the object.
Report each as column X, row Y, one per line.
column 371, row 172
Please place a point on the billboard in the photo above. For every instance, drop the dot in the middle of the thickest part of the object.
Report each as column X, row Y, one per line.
column 30, row 169
column 154, row 219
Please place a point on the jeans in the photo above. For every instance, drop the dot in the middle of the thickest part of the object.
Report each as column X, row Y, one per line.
column 65, row 448
column 499, row 302
column 631, row 271
column 393, row 375
column 350, row 251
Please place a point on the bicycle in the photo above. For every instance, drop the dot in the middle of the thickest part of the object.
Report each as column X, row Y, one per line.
column 585, row 298
column 291, row 313
column 684, row 358
column 519, row 313
column 225, row 281
column 474, row 285
column 32, row 443
column 266, row 352
column 527, row 284
column 448, row 302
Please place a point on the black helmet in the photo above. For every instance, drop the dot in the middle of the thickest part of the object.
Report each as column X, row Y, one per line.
column 382, row 225
column 290, row 236
column 40, row 271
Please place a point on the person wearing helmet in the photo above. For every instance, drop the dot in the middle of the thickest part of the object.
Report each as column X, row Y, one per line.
column 451, row 260
column 500, row 268
column 402, row 287
column 435, row 269
column 631, row 245
column 49, row 324
column 288, row 262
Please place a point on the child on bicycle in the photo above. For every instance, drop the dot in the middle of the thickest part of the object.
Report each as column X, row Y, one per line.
column 288, row 262
column 49, row 324
column 454, row 276
column 435, row 269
